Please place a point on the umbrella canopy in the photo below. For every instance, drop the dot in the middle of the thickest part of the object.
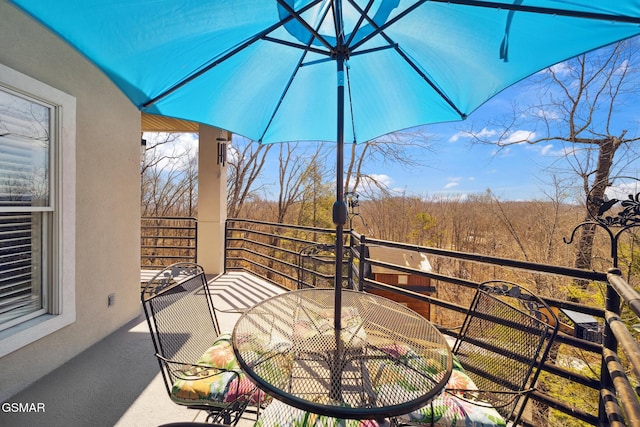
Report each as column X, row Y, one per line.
column 330, row 70
column 265, row 69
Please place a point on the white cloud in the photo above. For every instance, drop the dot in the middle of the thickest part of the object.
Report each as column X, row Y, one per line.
column 549, row 150
column 382, row 178
column 520, row 136
column 622, row 190
column 483, row 134
column 545, row 149
column 455, row 137
column 623, row 68
column 453, row 182
column 546, row 114
column 486, row 132
column 561, row 69
column 373, row 182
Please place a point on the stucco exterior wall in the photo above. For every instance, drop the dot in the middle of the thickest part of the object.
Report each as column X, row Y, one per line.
column 107, row 197
column 212, row 196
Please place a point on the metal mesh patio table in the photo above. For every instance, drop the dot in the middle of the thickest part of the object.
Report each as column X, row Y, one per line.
column 385, row 360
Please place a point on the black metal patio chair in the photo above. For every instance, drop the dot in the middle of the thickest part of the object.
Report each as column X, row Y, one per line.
column 505, row 338
column 197, row 361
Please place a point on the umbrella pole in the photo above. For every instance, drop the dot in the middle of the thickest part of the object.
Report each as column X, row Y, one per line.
column 340, row 215
column 339, row 207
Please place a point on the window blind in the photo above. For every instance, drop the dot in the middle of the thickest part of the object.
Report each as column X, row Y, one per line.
column 18, row 295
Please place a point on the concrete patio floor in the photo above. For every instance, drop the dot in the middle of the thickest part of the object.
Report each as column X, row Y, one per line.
column 117, row 381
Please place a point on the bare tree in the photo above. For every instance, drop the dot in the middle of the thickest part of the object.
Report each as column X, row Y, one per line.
column 393, row 148
column 295, row 174
column 317, row 201
column 168, row 177
column 580, row 105
column 246, row 160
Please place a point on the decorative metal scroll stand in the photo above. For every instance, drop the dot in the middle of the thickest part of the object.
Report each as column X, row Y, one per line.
column 614, row 224
column 628, row 217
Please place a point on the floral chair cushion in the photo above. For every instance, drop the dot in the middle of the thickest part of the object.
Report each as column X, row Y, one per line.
column 220, row 354
column 279, row 414
column 449, row 409
column 198, row 385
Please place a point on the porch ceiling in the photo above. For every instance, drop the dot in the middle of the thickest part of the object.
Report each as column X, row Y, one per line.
column 154, row 123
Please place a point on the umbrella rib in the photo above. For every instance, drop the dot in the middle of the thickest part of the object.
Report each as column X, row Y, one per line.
column 417, row 69
column 545, row 10
column 290, row 82
column 360, row 21
column 297, row 45
column 284, row 93
column 380, row 30
column 360, row 52
column 391, row 45
column 353, row 122
column 305, row 24
column 228, row 55
column 496, row 5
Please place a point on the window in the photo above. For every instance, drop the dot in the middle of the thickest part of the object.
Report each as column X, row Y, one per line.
column 37, row 249
column 25, row 207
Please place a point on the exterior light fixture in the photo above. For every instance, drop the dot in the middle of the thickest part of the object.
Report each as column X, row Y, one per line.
column 222, row 150
column 143, row 148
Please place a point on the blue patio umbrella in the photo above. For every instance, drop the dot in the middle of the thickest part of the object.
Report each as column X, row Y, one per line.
column 327, row 70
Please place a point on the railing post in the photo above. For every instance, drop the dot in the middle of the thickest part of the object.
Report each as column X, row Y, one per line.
column 361, row 265
column 226, row 247
column 195, row 246
column 609, row 341
column 350, row 269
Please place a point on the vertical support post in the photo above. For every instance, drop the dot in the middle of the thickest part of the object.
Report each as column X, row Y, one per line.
column 612, row 304
column 350, row 254
column 363, row 254
column 212, row 198
column 195, row 248
column 226, row 245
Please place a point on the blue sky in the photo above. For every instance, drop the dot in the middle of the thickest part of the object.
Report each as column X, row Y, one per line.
column 455, row 167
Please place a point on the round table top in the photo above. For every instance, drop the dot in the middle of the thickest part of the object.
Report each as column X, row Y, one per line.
column 386, row 359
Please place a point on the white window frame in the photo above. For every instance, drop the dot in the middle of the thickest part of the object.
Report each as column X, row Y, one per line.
column 61, row 307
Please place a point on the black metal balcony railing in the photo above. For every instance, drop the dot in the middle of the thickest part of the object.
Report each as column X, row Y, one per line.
column 167, row 240
column 584, row 382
